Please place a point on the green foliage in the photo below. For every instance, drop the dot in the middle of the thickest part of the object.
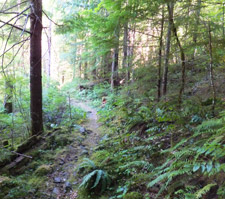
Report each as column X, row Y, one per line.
column 87, row 164
column 96, row 179
column 204, row 190
column 157, row 147
column 133, row 195
column 43, row 170
column 58, row 111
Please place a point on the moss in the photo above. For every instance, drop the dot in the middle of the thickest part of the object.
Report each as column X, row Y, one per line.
column 4, row 180
column 84, row 194
column 37, row 182
column 133, row 195
column 43, row 170
column 55, row 141
column 100, row 157
column 5, row 185
column 63, row 140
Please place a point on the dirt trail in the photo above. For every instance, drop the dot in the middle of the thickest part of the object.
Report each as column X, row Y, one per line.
column 61, row 188
column 91, row 124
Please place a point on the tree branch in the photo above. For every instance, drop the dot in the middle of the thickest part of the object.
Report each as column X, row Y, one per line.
column 14, row 152
column 11, row 13
column 6, row 23
column 50, row 19
column 14, row 26
column 14, row 6
column 15, row 45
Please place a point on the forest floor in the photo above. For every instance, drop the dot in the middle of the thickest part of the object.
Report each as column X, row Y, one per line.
column 51, row 172
column 60, row 183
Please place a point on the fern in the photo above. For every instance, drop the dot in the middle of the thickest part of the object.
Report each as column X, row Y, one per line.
column 204, row 190
column 87, row 164
column 138, row 164
column 87, row 179
column 94, row 179
column 98, row 178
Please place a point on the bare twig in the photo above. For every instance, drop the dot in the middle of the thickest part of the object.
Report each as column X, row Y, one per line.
column 14, row 26
column 50, row 19
column 15, row 45
column 9, row 35
column 24, row 28
column 6, row 23
column 24, row 41
column 11, row 13
column 14, row 6
column 4, row 4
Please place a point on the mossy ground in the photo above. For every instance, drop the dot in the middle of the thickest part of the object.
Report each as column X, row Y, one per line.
column 51, row 173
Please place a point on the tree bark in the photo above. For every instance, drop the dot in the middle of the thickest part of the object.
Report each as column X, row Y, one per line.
column 36, row 68
column 195, row 36
column 170, row 7
column 125, row 53
column 211, row 74
column 183, row 63
column 114, row 76
column 85, row 70
column 131, row 52
column 160, row 55
column 8, row 105
column 49, row 51
column 115, row 63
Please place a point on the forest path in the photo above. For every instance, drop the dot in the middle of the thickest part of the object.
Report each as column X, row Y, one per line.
column 91, row 123
column 65, row 168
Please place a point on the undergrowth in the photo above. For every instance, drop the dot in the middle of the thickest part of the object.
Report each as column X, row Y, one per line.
column 158, row 149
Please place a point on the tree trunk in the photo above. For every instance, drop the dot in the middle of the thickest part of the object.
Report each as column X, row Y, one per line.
column 131, row 53
column 115, row 63
column 182, row 56
column 125, row 53
column 85, row 70
column 8, row 105
column 223, row 20
column 94, row 69
column 35, row 67
column 80, row 69
column 49, row 51
column 212, row 83
column 160, row 55
column 106, row 66
column 114, row 76
column 167, row 51
column 195, row 36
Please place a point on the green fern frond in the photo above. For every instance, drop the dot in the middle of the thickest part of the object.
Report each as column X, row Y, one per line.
column 204, row 190
column 98, row 178
column 158, row 179
column 87, row 163
column 87, row 179
column 138, row 164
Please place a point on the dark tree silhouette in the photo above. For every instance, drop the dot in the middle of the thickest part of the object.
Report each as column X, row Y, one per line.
column 35, row 67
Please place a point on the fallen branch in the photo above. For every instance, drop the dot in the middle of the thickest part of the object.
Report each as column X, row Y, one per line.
column 20, row 154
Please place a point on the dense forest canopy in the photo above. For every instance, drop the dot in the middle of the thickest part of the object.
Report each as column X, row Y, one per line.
column 152, row 72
